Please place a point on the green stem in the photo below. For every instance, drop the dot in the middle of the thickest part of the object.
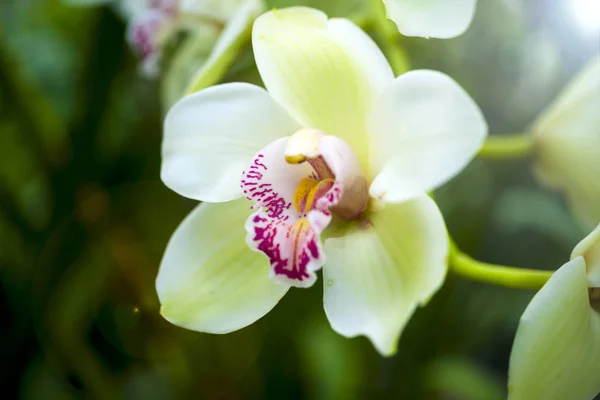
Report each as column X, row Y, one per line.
column 507, row 146
column 501, row 275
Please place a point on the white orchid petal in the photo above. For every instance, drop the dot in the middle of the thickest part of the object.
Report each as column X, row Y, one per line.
column 376, row 276
column 589, row 249
column 327, row 73
column 567, row 139
column 441, row 19
column 556, row 353
column 424, row 130
column 209, row 280
column 212, row 135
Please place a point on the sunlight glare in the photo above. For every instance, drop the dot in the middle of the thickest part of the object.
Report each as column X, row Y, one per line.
column 586, row 14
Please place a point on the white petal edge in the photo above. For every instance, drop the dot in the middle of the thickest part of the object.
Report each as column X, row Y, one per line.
column 327, row 73
column 589, row 249
column 209, row 280
column 424, row 130
column 212, row 135
column 556, row 353
column 375, row 277
column 441, row 19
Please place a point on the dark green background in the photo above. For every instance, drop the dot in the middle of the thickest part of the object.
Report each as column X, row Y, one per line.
column 84, row 220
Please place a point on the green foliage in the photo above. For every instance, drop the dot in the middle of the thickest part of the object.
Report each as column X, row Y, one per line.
column 84, row 220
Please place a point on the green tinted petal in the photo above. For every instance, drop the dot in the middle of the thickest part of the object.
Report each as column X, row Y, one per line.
column 556, row 353
column 376, row 276
column 327, row 73
column 209, row 280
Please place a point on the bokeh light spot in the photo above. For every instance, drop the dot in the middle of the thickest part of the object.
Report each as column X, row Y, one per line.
column 586, row 14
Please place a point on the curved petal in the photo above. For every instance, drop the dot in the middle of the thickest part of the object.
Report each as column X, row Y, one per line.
column 567, row 139
column 212, row 135
column 376, row 276
column 209, row 280
column 424, row 130
column 556, row 353
column 441, row 19
column 327, row 73
column 589, row 249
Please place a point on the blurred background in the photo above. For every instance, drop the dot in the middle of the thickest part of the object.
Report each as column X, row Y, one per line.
column 84, row 220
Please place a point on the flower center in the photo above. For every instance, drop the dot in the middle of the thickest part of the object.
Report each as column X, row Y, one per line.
column 309, row 190
column 296, row 183
column 333, row 161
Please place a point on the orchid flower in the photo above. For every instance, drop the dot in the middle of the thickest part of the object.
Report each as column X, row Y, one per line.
column 152, row 21
column 567, row 144
column 442, row 19
column 327, row 168
column 556, row 353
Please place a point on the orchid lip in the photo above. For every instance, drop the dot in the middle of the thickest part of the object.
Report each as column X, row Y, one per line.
column 305, row 146
column 297, row 182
